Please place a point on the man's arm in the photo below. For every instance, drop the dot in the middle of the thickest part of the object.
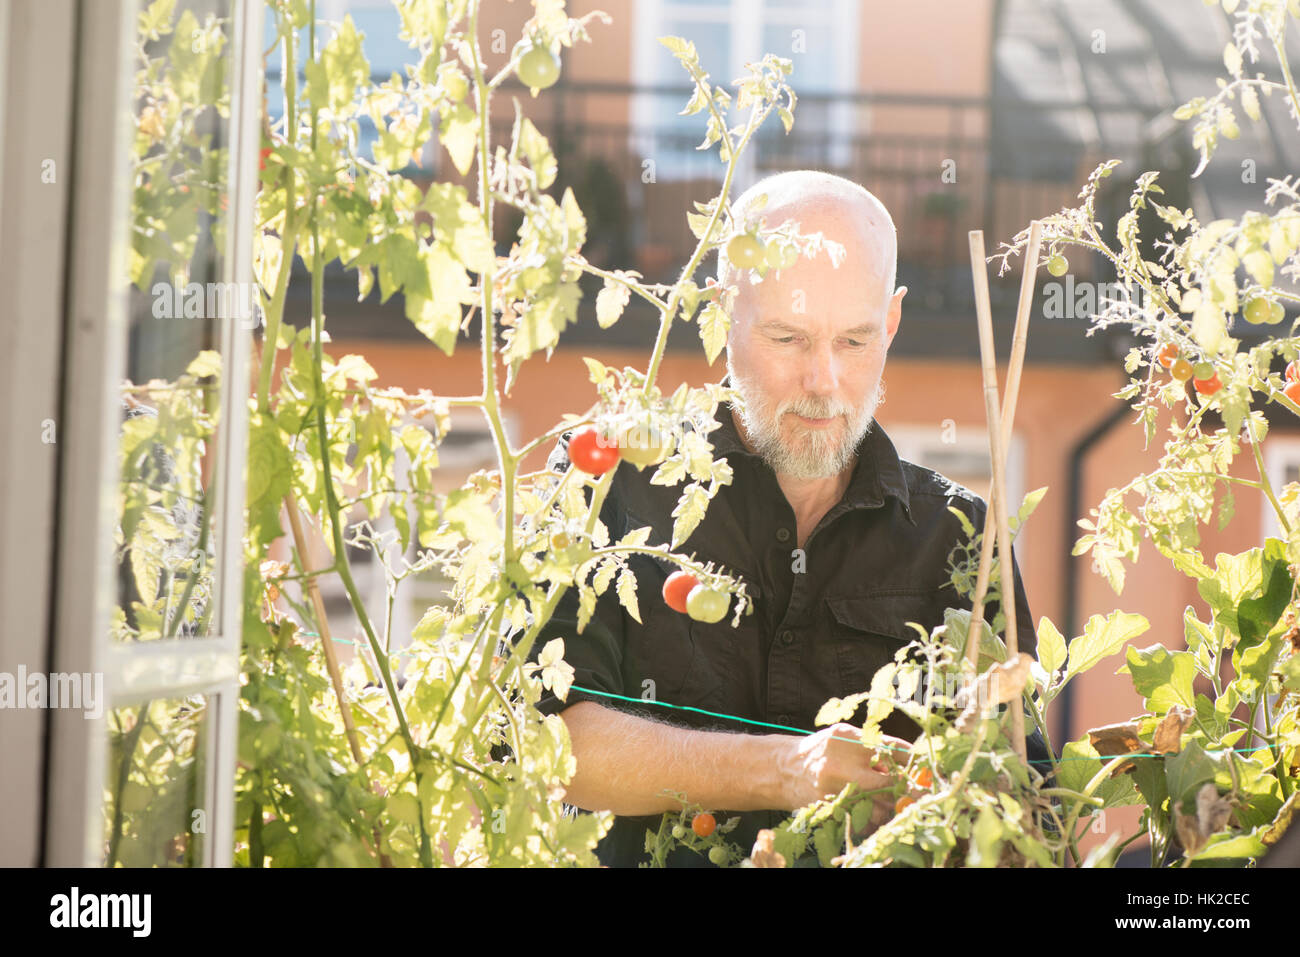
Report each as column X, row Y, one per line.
column 626, row 764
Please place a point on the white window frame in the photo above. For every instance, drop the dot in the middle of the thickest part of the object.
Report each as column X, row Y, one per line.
column 1279, row 451
column 94, row 364
column 747, row 19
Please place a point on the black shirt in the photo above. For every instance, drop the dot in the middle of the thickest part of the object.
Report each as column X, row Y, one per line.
column 823, row 622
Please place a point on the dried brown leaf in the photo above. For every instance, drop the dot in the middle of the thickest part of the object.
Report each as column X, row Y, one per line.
column 1169, row 733
column 764, row 853
column 1112, row 740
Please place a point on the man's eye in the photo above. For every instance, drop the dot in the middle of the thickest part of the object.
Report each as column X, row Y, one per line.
column 854, row 343
column 787, row 339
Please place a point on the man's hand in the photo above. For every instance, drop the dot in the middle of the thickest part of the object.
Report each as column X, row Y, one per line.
column 819, row 766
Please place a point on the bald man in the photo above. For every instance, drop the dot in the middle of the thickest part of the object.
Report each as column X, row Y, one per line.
column 840, row 542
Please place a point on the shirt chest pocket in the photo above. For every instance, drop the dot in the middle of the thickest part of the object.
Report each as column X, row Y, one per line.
column 867, row 631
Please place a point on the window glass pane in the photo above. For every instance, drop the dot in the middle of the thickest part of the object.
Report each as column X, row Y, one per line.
column 153, row 784
column 674, row 137
column 165, row 539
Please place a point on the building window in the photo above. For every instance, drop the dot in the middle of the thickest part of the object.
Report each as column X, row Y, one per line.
column 963, row 456
column 820, row 39
column 1282, row 463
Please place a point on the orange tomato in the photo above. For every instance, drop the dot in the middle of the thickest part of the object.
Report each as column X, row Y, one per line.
column 703, row 824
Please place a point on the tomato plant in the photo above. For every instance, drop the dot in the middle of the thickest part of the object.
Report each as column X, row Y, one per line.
column 443, row 755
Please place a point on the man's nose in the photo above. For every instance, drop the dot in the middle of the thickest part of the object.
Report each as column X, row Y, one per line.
column 820, row 371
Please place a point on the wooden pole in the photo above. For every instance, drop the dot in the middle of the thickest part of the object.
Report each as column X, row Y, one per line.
column 988, row 365
column 1023, row 309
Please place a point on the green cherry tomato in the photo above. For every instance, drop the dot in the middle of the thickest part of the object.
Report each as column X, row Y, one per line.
column 1258, row 311
column 1181, row 370
column 707, row 605
column 538, row 68
column 643, row 446
column 1058, row 265
column 718, row 855
column 744, row 251
column 679, row 832
column 1203, row 370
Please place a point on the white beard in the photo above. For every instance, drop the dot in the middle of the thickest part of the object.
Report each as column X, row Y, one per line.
column 811, row 453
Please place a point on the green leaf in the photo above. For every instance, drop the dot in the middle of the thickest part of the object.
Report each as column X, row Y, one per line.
column 1231, row 846
column 270, row 472
column 1101, row 638
column 206, row 363
column 333, row 78
column 1162, row 677
column 610, row 302
column 1051, row 646
column 459, row 134
column 1027, row 507
column 458, row 225
column 438, row 315
column 1186, row 771
column 1257, row 616
column 689, row 511
column 626, row 589
column 467, row 512
column 713, row 324
column 836, row 710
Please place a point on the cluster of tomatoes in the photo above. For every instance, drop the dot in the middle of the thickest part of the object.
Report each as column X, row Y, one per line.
column 746, row 252
column 1207, row 381
column 1204, row 378
column 591, row 452
column 1292, row 390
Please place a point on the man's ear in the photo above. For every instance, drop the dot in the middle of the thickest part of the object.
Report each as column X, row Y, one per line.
column 895, row 312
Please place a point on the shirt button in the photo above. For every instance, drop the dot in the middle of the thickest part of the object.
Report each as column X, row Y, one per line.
column 783, row 535
column 787, row 637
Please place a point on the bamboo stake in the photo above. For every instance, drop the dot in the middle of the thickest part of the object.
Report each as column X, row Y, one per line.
column 1023, row 308
column 988, row 364
column 327, row 645
column 331, row 658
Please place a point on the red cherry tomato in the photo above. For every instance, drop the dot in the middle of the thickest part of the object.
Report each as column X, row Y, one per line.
column 1167, row 354
column 676, row 588
column 1292, row 392
column 1208, row 386
column 703, row 824
column 1292, row 371
column 590, row 453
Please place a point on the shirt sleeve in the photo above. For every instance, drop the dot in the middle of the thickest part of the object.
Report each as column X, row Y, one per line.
column 595, row 654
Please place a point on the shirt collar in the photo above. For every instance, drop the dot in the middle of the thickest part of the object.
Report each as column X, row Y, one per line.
column 878, row 471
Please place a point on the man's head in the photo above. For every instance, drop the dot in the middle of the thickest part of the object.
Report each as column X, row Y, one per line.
column 806, row 349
